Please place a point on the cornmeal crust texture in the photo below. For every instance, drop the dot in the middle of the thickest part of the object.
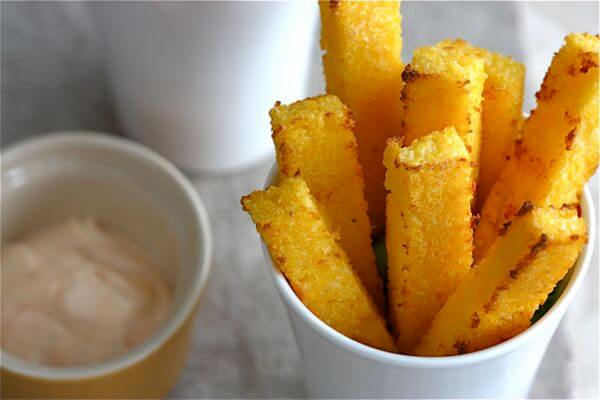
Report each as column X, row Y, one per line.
column 362, row 41
column 498, row 297
column 314, row 139
column 444, row 87
column 502, row 114
column 303, row 245
column 429, row 234
column 558, row 151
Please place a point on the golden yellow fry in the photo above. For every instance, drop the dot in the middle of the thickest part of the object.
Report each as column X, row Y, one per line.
column 303, row 245
column 502, row 114
column 444, row 87
column 429, row 235
column 362, row 43
column 314, row 139
column 558, row 151
column 498, row 297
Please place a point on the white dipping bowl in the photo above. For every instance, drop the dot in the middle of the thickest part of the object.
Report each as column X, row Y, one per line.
column 132, row 190
column 336, row 366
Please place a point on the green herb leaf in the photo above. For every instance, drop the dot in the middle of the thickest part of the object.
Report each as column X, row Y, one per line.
column 552, row 297
column 381, row 256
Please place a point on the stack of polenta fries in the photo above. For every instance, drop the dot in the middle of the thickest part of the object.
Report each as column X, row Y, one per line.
column 480, row 208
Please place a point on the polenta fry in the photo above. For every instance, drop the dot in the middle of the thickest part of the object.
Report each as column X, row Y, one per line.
column 501, row 117
column 429, row 234
column 362, row 43
column 558, row 151
column 444, row 87
column 498, row 297
column 303, row 245
column 314, row 139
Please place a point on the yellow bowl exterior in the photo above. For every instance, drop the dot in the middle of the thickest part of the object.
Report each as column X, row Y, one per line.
column 151, row 377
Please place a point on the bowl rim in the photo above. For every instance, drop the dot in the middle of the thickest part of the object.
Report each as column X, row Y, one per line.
column 54, row 141
column 348, row 345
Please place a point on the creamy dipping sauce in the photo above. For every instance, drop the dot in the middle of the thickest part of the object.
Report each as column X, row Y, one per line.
column 75, row 293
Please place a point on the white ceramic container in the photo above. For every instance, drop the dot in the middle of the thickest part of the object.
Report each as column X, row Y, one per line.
column 338, row 367
column 135, row 191
column 195, row 80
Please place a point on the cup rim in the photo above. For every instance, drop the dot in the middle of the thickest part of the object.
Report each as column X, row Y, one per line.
column 138, row 153
column 346, row 344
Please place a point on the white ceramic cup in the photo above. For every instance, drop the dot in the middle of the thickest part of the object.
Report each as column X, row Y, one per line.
column 336, row 366
column 194, row 80
column 134, row 191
